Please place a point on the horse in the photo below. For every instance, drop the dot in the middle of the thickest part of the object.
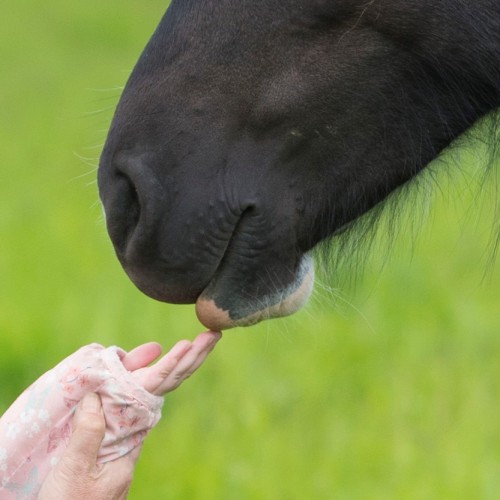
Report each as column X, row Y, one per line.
column 251, row 131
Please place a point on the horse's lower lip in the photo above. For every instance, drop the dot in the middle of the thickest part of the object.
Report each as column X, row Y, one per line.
column 216, row 316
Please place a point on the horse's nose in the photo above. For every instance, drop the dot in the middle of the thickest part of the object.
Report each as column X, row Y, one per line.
column 148, row 221
column 131, row 197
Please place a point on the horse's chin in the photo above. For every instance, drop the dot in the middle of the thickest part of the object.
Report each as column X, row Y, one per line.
column 279, row 304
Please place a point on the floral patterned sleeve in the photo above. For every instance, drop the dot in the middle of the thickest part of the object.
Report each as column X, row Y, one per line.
column 35, row 430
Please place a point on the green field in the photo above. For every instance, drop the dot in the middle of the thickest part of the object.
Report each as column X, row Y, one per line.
column 389, row 389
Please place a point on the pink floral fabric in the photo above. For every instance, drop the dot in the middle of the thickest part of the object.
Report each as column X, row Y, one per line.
column 35, row 430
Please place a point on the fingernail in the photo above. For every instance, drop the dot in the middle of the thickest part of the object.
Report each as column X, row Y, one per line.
column 91, row 403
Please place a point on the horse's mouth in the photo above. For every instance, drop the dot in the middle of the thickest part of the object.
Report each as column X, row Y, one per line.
column 235, row 261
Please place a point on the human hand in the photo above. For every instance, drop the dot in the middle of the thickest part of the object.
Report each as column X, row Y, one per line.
column 78, row 476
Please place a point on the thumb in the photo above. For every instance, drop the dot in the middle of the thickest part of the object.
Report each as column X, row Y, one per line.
column 89, row 427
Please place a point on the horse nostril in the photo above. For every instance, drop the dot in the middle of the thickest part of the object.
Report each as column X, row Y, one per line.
column 132, row 204
column 123, row 209
column 121, row 185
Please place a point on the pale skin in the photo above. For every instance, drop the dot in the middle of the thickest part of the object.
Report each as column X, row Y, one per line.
column 78, row 476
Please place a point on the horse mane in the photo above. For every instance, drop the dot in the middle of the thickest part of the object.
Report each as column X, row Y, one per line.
column 474, row 157
column 457, row 75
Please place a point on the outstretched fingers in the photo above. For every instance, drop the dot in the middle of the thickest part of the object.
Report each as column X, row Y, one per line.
column 179, row 363
column 150, row 377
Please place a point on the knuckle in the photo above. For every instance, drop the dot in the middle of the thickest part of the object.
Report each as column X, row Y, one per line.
column 186, row 375
column 165, row 373
column 71, row 466
column 91, row 425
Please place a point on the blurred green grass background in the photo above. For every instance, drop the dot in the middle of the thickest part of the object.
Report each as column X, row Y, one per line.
column 389, row 389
